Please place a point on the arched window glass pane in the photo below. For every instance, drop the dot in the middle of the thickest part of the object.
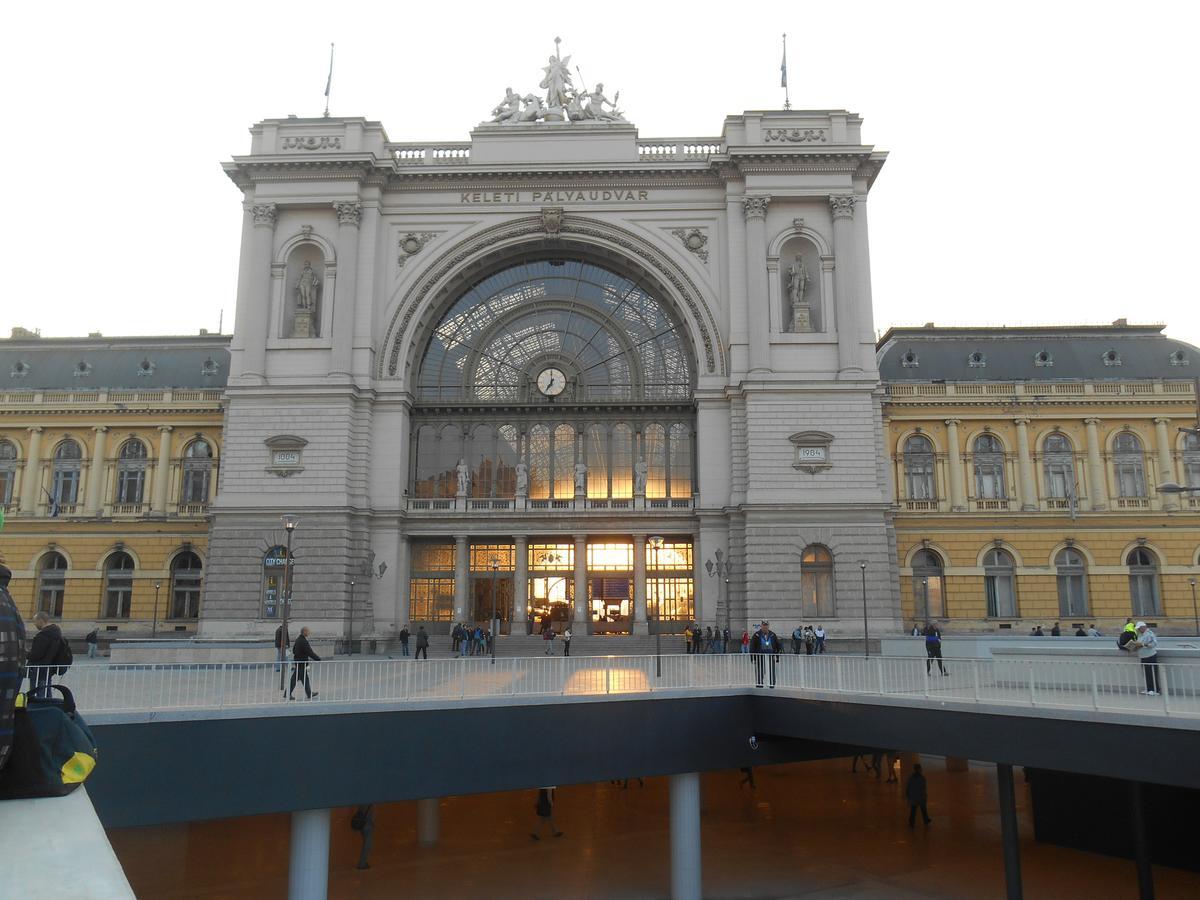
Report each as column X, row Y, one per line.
column 681, row 461
column 989, row 468
column 64, row 489
column 1072, row 583
column 539, row 462
column 816, row 583
column 1143, row 582
column 1191, row 460
column 197, row 472
column 918, row 469
column 999, row 584
column 52, row 584
column 187, row 573
column 597, row 462
column 564, row 462
column 118, row 586
column 928, row 585
column 1127, row 460
column 274, row 578
column 508, row 454
column 1058, row 463
column 483, row 457
column 654, row 446
column 622, row 461
column 8, row 471
column 131, row 473
column 428, row 465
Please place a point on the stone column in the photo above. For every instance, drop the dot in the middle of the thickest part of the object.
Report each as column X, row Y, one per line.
column 1029, row 500
column 842, row 208
column 640, row 624
column 403, row 582
column 1165, row 466
column 254, row 291
column 520, row 611
column 31, row 480
column 757, row 302
column 308, row 863
column 582, row 613
column 954, row 467
column 162, row 474
column 95, row 479
column 462, row 576
column 349, row 218
column 737, row 335
column 685, row 837
column 427, row 822
column 1098, row 489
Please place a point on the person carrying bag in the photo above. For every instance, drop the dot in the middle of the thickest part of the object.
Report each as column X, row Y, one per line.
column 53, row 749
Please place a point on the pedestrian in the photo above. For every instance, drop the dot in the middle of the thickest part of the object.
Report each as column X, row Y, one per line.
column 726, row 640
column 687, row 638
column 876, row 763
column 797, row 640
column 456, row 635
column 566, row 636
column 747, row 778
column 708, row 639
column 810, row 640
column 916, row 630
column 917, row 792
column 933, row 648
column 745, row 642
column 1079, row 632
column 12, row 661
column 46, row 654
column 765, row 643
column 422, row 643
column 1037, row 631
column 1093, row 631
column 697, row 638
column 1127, row 637
column 92, row 640
column 544, row 807
column 1055, row 631
column 820, row 632
column 302, row 654
column 547, row 638
column 363, row 821
column 1147, row 651
column 282, row 642
column 404, row 635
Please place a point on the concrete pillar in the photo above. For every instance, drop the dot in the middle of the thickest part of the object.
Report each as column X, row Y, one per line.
column 162, row 473
column 757, row 302
column 95, row 479
column 844, row 279
column 520, row 611
column 308, row 863
column 957, row 764
column 1141, row 842
column 254, row 291
column 954, row 467
column 1029, row 500
column 349, row 218
column 685, row 836
column 462, row 576
column 739, row 352
column 640, row 624
column 1008, row 832
column 1098, row 489
column 582, row 613
column 427, row 822
column 1165, row 467
column 31, row 479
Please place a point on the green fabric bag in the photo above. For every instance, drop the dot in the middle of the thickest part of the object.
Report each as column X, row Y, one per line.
column 53, row 749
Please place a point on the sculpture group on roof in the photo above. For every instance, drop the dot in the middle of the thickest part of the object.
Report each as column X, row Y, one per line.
column 563, row 101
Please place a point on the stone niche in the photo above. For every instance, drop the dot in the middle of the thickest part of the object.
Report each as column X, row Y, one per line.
column 305, row 284
column 807, row 315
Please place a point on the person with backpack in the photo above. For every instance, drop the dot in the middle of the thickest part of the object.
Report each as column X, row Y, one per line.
column 12, row 661
column 1127, row 637
column 92, row 640
column 547, row 638
column 49, row 655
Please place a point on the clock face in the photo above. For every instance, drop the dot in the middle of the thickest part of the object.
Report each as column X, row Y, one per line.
column 551, row 382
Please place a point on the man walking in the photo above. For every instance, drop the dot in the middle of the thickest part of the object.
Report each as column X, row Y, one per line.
column 917, row 792
column 302, row 652
column 933, row 648
column 820, row 639
column 544, row 807
column 404, row 635
column 92, row 640
column 422, row 643
column 566, row 636
column 1147, row 651
column 363, row 821
column 764, row 643
column 45, row 654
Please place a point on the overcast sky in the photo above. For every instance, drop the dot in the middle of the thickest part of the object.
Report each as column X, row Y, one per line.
column 1038, row 168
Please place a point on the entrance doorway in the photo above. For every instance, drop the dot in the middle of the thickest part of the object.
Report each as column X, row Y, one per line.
column 481, row 599
column 551, row 598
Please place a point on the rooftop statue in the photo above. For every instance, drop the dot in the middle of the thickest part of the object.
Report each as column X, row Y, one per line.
column 563, row 102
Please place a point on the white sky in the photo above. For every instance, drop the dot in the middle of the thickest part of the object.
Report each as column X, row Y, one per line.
column 1038, row 168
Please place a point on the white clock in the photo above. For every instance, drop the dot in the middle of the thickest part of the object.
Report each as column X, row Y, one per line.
column 551, row 382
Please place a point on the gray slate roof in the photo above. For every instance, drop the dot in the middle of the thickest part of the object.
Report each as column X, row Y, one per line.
column 135, row 363
column 1012, row 354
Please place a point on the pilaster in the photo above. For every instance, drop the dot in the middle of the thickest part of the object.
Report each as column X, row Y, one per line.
column 842, row 208
column 757, row 302
column 1029, row 500
column 958, row 499
column 349, row 219
column 95, row 476
column 520, row 611
column 640, row 625
column 31, row 479
column 162, row 473
column 581, row 591
column 1098, row 489
column 1163, row 442
column 254, row 291
column 462, row 574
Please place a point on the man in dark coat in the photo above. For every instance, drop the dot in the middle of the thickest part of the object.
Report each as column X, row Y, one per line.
column 917, row 792
column 12, row 661
column 422, row 642
column 764, row 643
column 43, row 652
column 301, row 654
column 404, row 634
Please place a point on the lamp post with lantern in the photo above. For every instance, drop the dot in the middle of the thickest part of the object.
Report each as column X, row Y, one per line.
column 289, row 525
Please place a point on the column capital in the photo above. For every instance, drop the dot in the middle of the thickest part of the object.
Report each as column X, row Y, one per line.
column 842, row 205
column 1092, row 420
column 99, row 429
column 953, row 423
column 755, row 207
column 581, row 538
column 265, row 214
column 166, row 429
column 1162, row 420
column 35, row 429
column 521, row 538
column 349, row 213
column 1022, row 420
column 462, row 538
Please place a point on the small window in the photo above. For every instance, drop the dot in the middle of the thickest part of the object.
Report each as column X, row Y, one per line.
column 1043, row 358
column 187, row 573
column 918, row 468
column 977, row 360
column 1111, row 358
column 909, row 360
column 1178, row 358
column 52, row 583
column 19, row 370
column 83, row 368
column 209, row 367
column 146, row 368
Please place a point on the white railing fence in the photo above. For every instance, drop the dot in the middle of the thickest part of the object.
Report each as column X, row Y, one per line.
column 1118, row 685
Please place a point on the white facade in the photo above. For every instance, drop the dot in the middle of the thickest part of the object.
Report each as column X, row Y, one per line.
column 323, row 398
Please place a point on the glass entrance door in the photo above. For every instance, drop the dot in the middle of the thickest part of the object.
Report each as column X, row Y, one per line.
column 481, row 599
column 551, row 598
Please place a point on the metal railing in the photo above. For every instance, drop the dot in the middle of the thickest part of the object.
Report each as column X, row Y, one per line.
column 1116, row 686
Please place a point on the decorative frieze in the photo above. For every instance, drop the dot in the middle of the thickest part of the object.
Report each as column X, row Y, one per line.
column 842, row 206
column 349, row 213
column 413, row 243
column 265, row 214
column 755, row 207
column 795, row 135
column 694, row 240
column 312, row 142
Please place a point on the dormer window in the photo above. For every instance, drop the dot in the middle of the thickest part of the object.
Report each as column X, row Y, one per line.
column 209, row 367
column 1111, row 358
column 977, row 360
column 19, row 370
column 145, row 368
column 1043, row 358
column 909, row 360
column 83, row 368
column 1178, row 358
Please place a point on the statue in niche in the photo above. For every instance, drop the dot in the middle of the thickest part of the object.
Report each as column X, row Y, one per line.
column 580, row 479
column 797, row 282
column 307, row 295
column 640, row 473
column 522, row 479
column 464, row 478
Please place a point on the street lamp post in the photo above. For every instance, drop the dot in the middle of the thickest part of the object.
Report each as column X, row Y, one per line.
column 925, row 598
column 289, row 525
column 158, row 584
column 350, row 642
column 1195, row 615
column 721, row 570
column 862, row 565
column 655, row 542
column 495, row 566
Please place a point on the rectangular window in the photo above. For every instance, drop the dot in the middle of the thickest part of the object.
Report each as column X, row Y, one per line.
column 130, row 483
column 1072, row 596
column 431, row 599
column 670, row 599
column 66, row 486
column 551, row 557
column 118, row 597
column 610, row 557
column 51, row 593
column 671, row 556
column 7, row 476
column 1130, row 480
column 1001, row 599
column 195, row 485
column 482, row 556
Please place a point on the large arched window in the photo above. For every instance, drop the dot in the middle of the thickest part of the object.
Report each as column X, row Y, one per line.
column 563, row 462
column 8, row 471
column 918, row 469
column 197, row 472
column 679, row 458
column 1143, row 582
column 1191, row 460
column 1058, row 466
column 989, row 468
column 1072, row 583
column 929, row 585
column 64, row 483
column 654, row 452
column 52, row 583
column 1127, row 462
column 187, row 573
column 131, row 473
column 816, row 582
column 999, row 584
column 118, row 585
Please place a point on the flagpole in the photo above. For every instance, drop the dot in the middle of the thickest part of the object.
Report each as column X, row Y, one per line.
column 787, row 101
column 329, row 80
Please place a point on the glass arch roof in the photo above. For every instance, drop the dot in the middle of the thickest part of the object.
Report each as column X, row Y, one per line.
column 611, row 337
